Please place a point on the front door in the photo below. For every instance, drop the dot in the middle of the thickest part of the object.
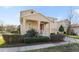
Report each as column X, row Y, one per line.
column 41, row 28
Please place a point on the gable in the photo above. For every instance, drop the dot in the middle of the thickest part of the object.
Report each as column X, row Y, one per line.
column 37, row 16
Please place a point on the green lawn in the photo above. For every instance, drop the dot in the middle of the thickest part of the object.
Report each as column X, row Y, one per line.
column 73, row 36
column 76, row 37
column 64, row 48
column 4, row 32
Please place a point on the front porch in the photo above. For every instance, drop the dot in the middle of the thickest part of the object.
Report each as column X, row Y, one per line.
column 42, row 27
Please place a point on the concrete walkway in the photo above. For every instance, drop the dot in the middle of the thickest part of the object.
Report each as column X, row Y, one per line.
column 71, row 40
column 26, row 48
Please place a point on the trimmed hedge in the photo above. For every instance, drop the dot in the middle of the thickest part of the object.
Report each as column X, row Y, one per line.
column 17, row 39
column 36, row 39
column 57, row 37
column 12, row 39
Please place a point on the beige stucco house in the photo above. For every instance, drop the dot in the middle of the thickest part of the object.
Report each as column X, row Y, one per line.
column 30, row 19
column 75, row 28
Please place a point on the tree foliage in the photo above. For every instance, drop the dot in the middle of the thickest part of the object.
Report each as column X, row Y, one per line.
column 61, row 28
column 31, row 33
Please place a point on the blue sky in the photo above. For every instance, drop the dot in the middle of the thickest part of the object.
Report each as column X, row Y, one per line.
column 10, row 15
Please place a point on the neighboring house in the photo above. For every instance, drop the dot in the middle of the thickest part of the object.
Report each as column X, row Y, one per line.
column 65, row 23
column 75, row 28
column 30, row 19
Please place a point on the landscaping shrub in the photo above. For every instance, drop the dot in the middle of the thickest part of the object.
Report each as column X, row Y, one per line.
column 15, row 32
column 56, row 37
column 2, row 41
column 73, row 33
column 52, row 33
column 17, row 39
column 36, row 39
column 64, row 32
column 61, row 29
column 31, row 33
column 12, row 39
column 32, row 37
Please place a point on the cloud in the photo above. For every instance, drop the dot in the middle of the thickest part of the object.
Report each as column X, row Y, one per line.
column 7, row 7
column 76, row 11
column 59, row 18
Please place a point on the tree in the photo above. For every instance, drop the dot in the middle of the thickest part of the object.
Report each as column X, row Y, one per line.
column 61, row 28
column 18, row 29
column 1, row 26
column 70, row 17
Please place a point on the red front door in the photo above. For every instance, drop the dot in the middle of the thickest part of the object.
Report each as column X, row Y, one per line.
column 41, row 28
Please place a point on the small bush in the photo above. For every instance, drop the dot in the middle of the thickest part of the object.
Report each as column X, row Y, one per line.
column 57, row 38
column 52, row 34
column 64, row 32
column 31, row 33
column 15, row 32
column 72, row 33
column 61, row 29
column 2, row 41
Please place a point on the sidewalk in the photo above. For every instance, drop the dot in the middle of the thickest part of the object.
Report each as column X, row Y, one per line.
column 26, row 48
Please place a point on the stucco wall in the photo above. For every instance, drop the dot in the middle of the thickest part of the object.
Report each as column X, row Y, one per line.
column 30, row 20
column 76, row 30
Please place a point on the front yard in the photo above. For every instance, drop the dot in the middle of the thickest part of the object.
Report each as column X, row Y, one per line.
column 73, row 36
column 32, row 38
column 76, row 37
column 64, row 48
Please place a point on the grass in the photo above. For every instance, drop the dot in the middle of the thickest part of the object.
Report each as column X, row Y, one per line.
column 73, row 36
column 64, row 48
column 76, row 37
column 4, row 32
column 12, row 45
column 7, row 33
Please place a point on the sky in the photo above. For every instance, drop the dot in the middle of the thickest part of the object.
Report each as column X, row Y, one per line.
column 11, row 14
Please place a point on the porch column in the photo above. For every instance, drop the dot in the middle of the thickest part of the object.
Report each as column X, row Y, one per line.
column 38, row 26
column 23, row 26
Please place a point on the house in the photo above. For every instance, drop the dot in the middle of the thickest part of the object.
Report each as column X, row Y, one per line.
column 75, row 28
column 30, row 19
